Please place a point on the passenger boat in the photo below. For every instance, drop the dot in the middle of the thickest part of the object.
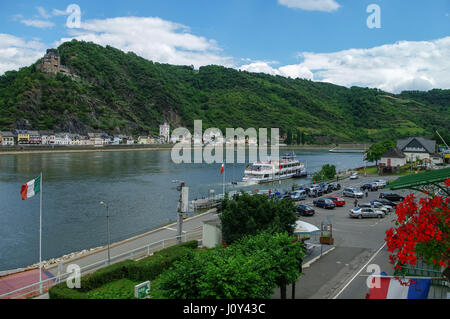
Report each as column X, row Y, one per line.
column 267, row 171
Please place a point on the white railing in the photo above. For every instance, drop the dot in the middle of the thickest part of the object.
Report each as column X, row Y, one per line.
column 134, row 254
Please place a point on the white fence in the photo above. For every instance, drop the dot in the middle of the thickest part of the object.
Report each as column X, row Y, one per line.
column 135, row 254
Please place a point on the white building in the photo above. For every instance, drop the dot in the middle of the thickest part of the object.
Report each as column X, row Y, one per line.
column 6, row 138
column 417, row 148
column 164, row 132
column 63, row 139
column 393, row 158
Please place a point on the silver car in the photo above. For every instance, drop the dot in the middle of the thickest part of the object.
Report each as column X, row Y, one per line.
column 359, row 212
column 353, row 192
column 378, row 206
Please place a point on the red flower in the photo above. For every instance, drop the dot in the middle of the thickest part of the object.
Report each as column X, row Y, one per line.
column 422, row 231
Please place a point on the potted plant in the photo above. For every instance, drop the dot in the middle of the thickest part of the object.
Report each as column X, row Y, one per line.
column 327, row 239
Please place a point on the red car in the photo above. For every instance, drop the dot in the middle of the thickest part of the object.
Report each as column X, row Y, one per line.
column 339, row 201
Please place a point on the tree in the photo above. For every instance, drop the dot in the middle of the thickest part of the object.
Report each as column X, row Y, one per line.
column 299, row 137
column 287, row 255
column 376, row 150
column 249, row 215
column 421, row 232
column 326, row 173
column 289, row 136
column 250, row 268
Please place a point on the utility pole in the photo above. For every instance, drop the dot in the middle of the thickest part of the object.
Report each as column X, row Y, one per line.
column 107, row 229
column 182, row 207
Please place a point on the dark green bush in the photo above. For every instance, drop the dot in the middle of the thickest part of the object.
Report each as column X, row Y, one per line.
column 145, row 269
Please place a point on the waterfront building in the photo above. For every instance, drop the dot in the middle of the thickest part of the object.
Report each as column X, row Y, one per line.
column 417, row 148
column 7, row 138
column 164, row 133
column 393, row 158
column 23, row 137
column 63, row 139
column 47, row 137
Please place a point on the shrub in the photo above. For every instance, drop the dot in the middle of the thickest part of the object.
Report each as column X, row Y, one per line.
column 145, row 269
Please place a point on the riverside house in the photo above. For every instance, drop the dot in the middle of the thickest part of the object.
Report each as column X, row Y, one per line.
column 23, row 137
column 417, row 148
column 7, row 138
column 47, row 137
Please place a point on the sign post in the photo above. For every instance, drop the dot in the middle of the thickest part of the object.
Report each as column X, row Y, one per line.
column 142, row 291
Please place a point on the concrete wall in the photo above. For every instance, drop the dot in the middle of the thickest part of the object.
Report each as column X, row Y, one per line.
column 212, row 235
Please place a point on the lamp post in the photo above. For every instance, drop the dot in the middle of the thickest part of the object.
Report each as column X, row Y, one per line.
column 180, row 210
column 107, row 228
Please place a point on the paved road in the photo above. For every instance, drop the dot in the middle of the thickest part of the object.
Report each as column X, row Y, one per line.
column 356, row 242
column 192, row 230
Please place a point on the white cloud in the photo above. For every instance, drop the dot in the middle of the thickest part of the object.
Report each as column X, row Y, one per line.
column 405, row 65
column 57, row 12
column 37, row 23
column 16, row 52
column 311, row 5
column 293, row 71
column 43, row 13
column 152, row 38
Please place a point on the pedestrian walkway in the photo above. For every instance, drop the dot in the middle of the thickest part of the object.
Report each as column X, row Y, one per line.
column 23, row 279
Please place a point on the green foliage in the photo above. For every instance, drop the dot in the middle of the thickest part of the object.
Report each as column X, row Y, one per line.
column 248, row 269
column 249, row 215
column 375, row 151
column 326, row 173
column 123, row 93
column 138, row 271
column 119, row 289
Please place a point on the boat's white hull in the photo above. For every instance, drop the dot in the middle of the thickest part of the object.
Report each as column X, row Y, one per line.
column 274, row 178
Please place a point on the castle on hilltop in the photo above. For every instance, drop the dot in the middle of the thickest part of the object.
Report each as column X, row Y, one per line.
column 51, row 63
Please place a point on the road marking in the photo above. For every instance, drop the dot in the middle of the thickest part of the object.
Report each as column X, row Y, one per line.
column 359, row 271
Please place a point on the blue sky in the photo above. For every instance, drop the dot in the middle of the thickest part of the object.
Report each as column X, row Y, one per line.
column 323, row 40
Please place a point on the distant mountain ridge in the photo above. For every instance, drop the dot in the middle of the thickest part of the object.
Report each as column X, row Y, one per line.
column 119, row 92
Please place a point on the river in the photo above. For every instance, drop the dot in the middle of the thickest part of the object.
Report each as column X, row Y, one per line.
column 137, row 185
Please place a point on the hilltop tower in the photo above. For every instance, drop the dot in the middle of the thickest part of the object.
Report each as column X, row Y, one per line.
column 51, row 63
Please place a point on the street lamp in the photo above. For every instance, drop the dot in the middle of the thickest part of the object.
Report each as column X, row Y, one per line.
column 179, row 209
column 107, row 228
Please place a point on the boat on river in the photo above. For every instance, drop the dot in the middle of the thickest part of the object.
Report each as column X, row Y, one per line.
column 273, row 170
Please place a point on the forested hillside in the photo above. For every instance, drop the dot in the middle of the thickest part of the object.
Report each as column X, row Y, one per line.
column 119, row 92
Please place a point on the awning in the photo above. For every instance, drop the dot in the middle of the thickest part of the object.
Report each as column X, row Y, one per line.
column 418, row 181
column 302, row 228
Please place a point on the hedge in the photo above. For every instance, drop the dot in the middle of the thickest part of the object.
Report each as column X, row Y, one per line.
column 145, row 269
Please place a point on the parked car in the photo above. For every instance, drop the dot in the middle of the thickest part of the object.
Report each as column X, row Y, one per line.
column 381, row 182
column 336, row 186
column 305, row 210
column 371, row 187
column 354, row 175
column 386, row 202
column 353, row 192
column 392, row 197
column 298, row 195
column 324, row 203
column 314, row 191
column 339, row 201
column 376, row 205
column 325, row 188
column 359, row 212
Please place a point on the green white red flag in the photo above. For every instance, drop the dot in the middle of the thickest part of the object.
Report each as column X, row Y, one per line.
column 31, row 188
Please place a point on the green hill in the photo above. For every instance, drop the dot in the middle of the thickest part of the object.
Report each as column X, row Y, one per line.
column 120, row 92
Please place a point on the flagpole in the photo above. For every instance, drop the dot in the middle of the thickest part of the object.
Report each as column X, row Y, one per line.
column 223, row 182
column 40, row 237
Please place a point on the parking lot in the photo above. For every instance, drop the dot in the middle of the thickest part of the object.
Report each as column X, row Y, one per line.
column 356, row 242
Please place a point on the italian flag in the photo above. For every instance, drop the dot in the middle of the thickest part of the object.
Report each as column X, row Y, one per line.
column 31, row 188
